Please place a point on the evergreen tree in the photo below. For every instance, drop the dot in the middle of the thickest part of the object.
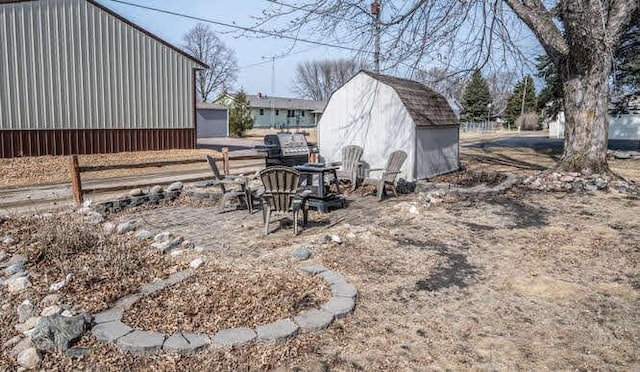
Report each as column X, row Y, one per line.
column 514, row 105
column 476, row 99
column 240, row 119
column 627, row 58
column 550, row 100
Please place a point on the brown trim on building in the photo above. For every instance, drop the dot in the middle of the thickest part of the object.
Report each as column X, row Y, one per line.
column 16, row 143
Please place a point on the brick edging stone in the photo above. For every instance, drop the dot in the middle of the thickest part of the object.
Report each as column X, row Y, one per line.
column 108, row 326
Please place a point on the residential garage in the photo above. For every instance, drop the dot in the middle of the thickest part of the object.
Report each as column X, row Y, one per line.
column 212, row 120
column 77, row 78
column 383, row 114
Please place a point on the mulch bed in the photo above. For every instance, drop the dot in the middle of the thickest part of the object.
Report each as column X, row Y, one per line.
column 469, row 178
column 104, row 267
column 221, row 297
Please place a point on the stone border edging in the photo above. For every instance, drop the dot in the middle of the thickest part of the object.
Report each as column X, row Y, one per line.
column 108, row 325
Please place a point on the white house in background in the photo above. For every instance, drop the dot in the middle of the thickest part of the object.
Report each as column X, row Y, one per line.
column 384, row 113
column 624, row 126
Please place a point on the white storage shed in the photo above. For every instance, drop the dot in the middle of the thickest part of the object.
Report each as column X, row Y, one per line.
column 382, row 114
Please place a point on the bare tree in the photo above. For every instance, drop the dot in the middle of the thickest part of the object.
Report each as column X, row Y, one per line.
column 579, row 36
column 442, row 81
column 318, row 79
column 501, row 86
column 203, row 44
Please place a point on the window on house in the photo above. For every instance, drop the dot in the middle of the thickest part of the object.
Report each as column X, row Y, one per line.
column 277, row 112
column 301, row 113
column 291, row 113
column 261, row 111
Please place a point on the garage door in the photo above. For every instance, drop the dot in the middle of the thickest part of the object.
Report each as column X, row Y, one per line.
column 212, row 123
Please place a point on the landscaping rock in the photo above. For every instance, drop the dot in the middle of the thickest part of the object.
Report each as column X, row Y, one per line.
column 577, row 186
column 136, row 192
column 108, row 316
column 29, row 358
column 125, row 227
column 57, row 332
column 163, row 237
column 196, row 263
column 25, row 311
column 185, row 343
column 14, row 265
column 17, row 284
column 344, row 290
column 93, row 218
column 339, row 306
column 332, row 277
column 143, row 235
column 176, row 186
column 601, row 183
column 67, row 313
column 51, row 310
column 61, row 284
column 126, row 302
column 314, row 320
column 140, row 341
column 77, row 352
column 110, row 331
column 157, row 189
column 301, row 253
column 108, row 227
column 187, row 244
column 277, row 331
column 176, row 252
column 313, row 269
column 28, row 324
column 11, row 342
column 8, row 240
column 166, row 246
column 21, row 346
column 234, row 337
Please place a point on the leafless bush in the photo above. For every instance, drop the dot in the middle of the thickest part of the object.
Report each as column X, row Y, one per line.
column 528, row 121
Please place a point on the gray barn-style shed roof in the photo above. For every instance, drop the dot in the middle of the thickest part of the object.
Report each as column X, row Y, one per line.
column 427, row 107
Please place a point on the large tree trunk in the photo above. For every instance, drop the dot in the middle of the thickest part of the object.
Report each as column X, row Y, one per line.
column 586, row 97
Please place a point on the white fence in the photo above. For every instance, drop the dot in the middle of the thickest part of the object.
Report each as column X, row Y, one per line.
column 477, row 126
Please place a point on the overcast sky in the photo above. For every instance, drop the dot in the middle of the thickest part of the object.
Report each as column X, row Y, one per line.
column 252, row 53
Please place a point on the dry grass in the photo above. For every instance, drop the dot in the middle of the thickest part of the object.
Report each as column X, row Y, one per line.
column 517, row 281
column 39, row 170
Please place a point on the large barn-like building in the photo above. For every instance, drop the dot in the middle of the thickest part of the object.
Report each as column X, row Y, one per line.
column 77, row 78
column 383, row 114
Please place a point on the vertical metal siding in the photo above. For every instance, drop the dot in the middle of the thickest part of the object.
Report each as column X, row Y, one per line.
column 66, row 64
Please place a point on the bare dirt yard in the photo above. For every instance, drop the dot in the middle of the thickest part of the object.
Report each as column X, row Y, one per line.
column 518, row 280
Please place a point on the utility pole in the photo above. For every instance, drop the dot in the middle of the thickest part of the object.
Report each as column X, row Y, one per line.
column 273, row 88
column 524, row 94
column 375, row 12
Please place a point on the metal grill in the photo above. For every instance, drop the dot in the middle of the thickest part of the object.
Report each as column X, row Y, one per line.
column 288, row 149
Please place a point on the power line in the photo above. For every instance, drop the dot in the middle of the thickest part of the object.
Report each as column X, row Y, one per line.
column 243, row 28
column 318, row 14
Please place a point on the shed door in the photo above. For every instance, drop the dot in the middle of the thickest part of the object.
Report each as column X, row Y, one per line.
column 212, row 123
column 436, row 151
